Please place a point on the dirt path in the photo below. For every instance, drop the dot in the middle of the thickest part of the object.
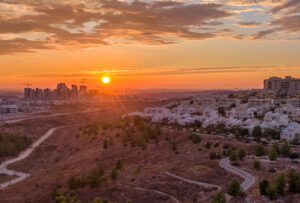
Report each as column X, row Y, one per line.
column 23, row 155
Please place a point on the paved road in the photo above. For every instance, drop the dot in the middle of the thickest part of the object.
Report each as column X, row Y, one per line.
column 202, row 184
column 248, row 178
column 23, row 155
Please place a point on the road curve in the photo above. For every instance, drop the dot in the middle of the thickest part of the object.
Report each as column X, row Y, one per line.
column 21, row 156
column 248, row 178
column 202, row 184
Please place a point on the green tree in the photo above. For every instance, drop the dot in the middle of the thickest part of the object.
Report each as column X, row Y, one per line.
column 233, row 156
column 285, row 149
column 219, row 198
column 294, row 181
column 263, row 185
column 256, row 164
column 273, row 155
column 242, row 154
column 234, row 189
column 280, row 183
column 276, row 147
column 271, row 192
column 260, row 150
column 257, row 133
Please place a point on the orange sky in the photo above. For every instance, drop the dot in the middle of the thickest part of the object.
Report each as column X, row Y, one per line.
column 220, row 45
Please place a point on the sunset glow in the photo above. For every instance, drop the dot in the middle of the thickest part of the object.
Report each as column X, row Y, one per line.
column 148, row 44
column 105, row 80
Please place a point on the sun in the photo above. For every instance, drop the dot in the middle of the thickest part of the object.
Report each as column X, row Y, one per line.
column 105, row 80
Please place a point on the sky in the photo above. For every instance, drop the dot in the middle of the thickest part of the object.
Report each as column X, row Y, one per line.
column 176, row 44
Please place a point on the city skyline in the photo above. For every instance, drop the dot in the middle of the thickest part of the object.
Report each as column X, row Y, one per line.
column 149, row 44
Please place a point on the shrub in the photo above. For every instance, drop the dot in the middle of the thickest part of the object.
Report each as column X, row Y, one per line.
column 260, row 150
column 207, row 145
column 195, row 138
column 105, row 144
column 263, row 185
column 294, row 181
column 280, row 183
column 257, row 133
column 273, row 155
column 219, row 198
column 242, row 154
column 256, row 164
column 285, row 149
column 234, row 189
column 233, row 156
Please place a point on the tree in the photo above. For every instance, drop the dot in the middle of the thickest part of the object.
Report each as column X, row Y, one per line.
column 276, row 147
column 263, row 185
column 294, row 181
column 256, row 164
column 242, row 154
column 260, row 150
column 219, row 198
column 233, row 156
column 271, row 133
column 285, row 149
column 257, row 133
column 234, row 188
column 273, row 155
column 280, row 183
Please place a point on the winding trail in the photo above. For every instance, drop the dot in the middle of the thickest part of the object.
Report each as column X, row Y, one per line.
column 249, row 179
column 23, row 155
column 202, row 184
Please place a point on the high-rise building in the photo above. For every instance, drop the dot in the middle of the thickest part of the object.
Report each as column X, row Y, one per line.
column 83, row 90
column 287, row 86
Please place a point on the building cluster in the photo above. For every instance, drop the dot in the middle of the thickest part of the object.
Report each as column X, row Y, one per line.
column 283, row 87
column 282, row 117
column 62, row 92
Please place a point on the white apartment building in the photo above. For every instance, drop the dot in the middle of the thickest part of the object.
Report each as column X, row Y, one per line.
column 291, row 132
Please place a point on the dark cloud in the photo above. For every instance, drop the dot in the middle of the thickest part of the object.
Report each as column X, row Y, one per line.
column 248, row 24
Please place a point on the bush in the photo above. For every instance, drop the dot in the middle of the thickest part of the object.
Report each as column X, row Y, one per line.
column 256, row 164
column 242, row 154
column 280, row 183
column 195, row 138
column 11, row 145
column 105, row 144
column 294, row 181
column 260, row 150
column 219, row 198
column 257, row 133
column 207, row 145
column 173, row 146
column 285, row 149
column 234, row 189
column 273, row 155
column 233, row 156
column 263, row 185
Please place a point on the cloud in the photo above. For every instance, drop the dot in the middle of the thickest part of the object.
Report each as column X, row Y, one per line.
column 103, row 22
column 248, row 24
